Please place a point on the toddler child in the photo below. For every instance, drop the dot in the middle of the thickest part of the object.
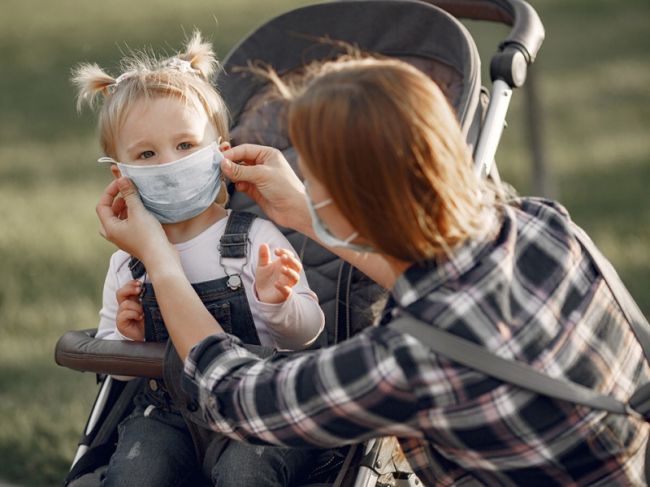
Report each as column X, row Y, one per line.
column 166, row 125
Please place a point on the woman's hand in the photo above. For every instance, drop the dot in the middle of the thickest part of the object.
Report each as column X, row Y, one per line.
column 265, row 175
column 274, row 279
column 125, row 222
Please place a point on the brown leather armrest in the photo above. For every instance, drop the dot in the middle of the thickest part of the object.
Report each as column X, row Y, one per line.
column 79, row 350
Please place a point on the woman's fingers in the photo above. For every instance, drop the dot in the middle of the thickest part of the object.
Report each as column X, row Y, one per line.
column 120, row 208
column 265, row 176
column 125, row 222
column 114, row 203
column 128, row 192
column 104, row 207
column 118, row 205
column 250, row 154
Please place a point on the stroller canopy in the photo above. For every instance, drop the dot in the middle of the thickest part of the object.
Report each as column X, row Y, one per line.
column 418, row 33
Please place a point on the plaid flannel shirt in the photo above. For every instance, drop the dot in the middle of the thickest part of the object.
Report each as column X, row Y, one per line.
column 529, row 294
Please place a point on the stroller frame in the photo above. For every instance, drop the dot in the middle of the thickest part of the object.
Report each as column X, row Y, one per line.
column 79, row 350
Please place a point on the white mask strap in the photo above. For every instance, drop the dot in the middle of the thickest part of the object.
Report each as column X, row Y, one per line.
column 351, row 237
column 322, row 204
column 109, row 160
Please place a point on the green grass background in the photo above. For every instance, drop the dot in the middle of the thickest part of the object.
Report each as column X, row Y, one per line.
column 593, row 76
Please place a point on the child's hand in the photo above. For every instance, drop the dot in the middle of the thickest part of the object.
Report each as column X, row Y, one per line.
column 274, row 279
column 130, row 319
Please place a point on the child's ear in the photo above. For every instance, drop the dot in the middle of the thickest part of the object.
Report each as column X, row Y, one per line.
column 224, row 146
column 116, row 171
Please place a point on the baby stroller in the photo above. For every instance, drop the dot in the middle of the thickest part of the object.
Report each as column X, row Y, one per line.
column 425, row 34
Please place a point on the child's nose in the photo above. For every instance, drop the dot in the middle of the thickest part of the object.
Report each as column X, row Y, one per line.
column 166, row 156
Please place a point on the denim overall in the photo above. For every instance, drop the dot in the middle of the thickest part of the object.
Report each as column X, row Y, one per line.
column 224, row 298
column 180, row 440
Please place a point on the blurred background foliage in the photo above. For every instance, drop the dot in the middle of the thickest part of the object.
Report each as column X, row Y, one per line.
column 593, row 74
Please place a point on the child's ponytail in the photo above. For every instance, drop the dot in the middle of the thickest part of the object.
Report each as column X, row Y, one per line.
column 200, row 56
column 90, row 80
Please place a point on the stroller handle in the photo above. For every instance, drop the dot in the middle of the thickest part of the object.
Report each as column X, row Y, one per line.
column 527, row 29
column 519, row 49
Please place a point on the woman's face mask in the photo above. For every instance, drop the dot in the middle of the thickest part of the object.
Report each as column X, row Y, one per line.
column 178, row 190
column 323, row 232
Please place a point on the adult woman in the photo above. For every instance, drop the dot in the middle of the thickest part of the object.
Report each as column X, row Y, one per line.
column 388, row 171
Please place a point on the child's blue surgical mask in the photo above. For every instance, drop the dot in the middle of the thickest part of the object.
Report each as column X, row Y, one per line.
column 178, row 190
column 324, row 234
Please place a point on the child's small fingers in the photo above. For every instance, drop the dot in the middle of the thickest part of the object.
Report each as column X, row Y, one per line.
column 264, row 255
column 131, row 305
column 130, row 289
column 128, row 316
column 292, row 263
column 280, row 252
column 290, row 275
column 285, row 291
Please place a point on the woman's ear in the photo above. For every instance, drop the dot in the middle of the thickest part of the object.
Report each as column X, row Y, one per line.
column 116, row 171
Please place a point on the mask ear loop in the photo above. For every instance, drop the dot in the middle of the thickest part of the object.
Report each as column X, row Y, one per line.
column 320, row 204
column 108, row 160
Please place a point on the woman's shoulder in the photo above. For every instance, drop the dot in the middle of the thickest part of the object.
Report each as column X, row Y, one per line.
column 544, row 244
column 541, row 207
column 540, row 217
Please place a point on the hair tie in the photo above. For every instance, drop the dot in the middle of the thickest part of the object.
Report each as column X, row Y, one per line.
column 180, row 64
column 122, row 78
column 174, row 63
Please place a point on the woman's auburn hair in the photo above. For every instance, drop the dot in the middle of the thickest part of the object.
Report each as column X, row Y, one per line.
column 385, row 143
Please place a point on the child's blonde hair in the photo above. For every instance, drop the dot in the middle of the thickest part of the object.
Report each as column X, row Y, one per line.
column 186, row 75
column 407, row 181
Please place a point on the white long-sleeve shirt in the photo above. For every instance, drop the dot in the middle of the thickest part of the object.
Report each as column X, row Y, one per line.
column 291, row 325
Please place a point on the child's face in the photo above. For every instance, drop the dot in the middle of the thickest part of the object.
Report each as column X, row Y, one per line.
column 162, row 129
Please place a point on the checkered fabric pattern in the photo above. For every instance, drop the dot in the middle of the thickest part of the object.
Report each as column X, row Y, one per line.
column 529, row 294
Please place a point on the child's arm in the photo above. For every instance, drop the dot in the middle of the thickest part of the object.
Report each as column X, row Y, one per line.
column 111, row 307
column 283, row 299
column 112, row 295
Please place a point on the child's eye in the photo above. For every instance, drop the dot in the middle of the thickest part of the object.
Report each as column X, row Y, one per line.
column 185, row 146
column 146, row 154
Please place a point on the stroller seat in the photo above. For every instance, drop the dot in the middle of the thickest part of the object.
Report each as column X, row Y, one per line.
column 419, row 33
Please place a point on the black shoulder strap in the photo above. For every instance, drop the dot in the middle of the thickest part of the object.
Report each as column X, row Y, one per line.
column 234, row 241
column 136, row 267
column 522, row 375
